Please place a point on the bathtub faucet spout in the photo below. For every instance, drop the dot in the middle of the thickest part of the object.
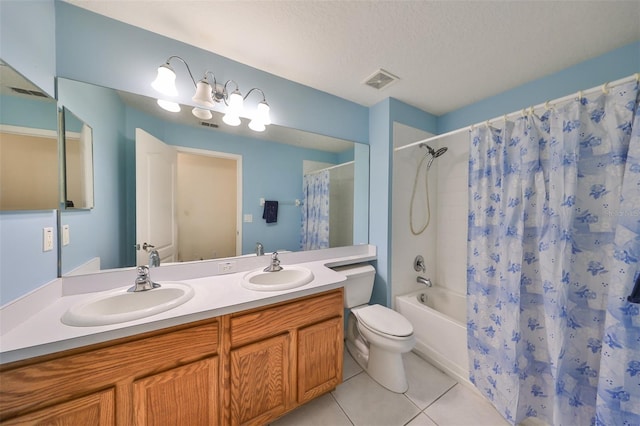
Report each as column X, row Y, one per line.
column 423, row 280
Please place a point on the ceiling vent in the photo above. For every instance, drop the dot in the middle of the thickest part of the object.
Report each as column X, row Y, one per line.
column 29, row 92
column 207, row 124
column 381, row 79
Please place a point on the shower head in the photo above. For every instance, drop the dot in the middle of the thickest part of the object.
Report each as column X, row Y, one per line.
column 435, row 154
column 439, row 152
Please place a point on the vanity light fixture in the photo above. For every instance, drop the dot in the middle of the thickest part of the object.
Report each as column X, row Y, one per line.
column 207, row 94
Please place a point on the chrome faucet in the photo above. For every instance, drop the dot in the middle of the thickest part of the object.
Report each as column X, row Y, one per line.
column 423, row 280
column 154, row 258
column 259, row 249
column 418, row 264
column 275, row 263
column 143, row 281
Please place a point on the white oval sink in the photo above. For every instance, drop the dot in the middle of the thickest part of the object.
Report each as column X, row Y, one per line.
column 287, row 278
column 121, row 306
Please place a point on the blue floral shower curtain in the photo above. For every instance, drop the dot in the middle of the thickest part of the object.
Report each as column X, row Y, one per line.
column 553, row 249
column 315, row 211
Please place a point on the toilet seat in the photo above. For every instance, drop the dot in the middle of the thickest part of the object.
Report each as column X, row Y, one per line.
column 384, row 321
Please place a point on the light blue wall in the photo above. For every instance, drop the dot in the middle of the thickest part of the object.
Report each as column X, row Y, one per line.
column 611, row 66
column 25, row 112
column 24, row 266
column 28, row 46
column 104, row 112
column 27, row 41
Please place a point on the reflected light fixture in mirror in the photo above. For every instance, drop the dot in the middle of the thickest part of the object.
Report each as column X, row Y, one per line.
column 207, row 95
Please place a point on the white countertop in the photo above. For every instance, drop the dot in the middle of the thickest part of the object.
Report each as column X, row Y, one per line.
column 44, row 333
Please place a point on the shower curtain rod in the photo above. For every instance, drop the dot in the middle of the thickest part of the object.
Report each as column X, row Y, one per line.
column 547, row 105
column 331, row 167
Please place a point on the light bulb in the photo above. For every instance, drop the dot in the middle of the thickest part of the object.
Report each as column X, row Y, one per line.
column 235, row 103
column 165, row 81
column 169, row 106
column 203, row 94
column 256, row 125
column 231, row 120
column 262, row 113
column 202, row 114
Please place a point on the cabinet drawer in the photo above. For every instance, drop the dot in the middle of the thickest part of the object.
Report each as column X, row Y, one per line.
column 40, row 384
column 96, row 409
column 262, row 323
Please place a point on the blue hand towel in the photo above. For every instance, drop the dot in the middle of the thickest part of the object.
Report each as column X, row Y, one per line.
column 270, row 213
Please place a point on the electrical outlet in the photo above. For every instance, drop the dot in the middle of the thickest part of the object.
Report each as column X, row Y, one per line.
column 226, row 267
column 65, row 235
column 47, row 239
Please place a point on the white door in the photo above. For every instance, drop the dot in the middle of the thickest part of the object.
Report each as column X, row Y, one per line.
column 155, row 197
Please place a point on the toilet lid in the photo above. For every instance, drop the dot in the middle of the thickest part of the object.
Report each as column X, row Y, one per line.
column 385, row 321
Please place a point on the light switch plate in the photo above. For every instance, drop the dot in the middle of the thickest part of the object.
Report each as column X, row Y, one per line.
column 66, row 239
column 47, row 239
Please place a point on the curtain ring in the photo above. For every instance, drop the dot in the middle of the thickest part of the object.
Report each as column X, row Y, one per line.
column 487, row 123
column 524, row 112
column 532, row 110
column 548, row 106
column 605, row 88
column 580, row 95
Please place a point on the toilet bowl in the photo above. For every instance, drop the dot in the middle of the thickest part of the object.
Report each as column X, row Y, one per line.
column 376, row 336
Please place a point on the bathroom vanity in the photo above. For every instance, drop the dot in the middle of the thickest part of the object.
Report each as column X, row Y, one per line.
column 244, row 368
column 229, row 356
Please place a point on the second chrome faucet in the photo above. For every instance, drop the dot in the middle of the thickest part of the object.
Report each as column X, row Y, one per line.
column 274, row 266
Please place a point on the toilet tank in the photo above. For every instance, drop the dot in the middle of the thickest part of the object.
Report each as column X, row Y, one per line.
column 359, row 284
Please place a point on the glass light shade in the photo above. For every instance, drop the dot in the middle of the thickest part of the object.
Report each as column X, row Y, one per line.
column 262, row 113
column 202, row 114
column 231, row 120
column 235, row 103
column 203, row 94
column 165, row 81
column 169, row 106
column 256, row 125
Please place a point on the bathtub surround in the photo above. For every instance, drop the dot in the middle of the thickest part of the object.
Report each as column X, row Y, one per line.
column 552, row 255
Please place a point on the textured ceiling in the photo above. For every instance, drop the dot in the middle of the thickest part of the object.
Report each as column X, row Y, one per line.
column 448, row 54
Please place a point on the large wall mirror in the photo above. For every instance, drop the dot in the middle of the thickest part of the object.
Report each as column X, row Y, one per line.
column 28, row 144
column 197, row 190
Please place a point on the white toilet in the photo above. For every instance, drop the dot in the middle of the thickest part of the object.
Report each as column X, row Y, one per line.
column 376, row 336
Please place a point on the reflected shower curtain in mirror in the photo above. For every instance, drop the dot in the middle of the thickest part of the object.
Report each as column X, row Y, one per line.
column 553, row 249
column 315, row 211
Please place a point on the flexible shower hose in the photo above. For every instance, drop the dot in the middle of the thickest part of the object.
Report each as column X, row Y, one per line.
column 413, row 196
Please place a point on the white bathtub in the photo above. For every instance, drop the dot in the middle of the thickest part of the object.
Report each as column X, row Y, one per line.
column 440, row 327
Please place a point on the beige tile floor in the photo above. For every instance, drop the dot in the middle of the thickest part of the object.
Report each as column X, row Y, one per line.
column 433, row 399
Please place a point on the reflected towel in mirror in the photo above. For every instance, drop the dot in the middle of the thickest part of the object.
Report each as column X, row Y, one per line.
column 270, row 213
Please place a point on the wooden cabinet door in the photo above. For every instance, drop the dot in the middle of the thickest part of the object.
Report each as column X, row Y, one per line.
column 94, row 409
column 260, row 380
column 319, row 358
column 186, row 395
